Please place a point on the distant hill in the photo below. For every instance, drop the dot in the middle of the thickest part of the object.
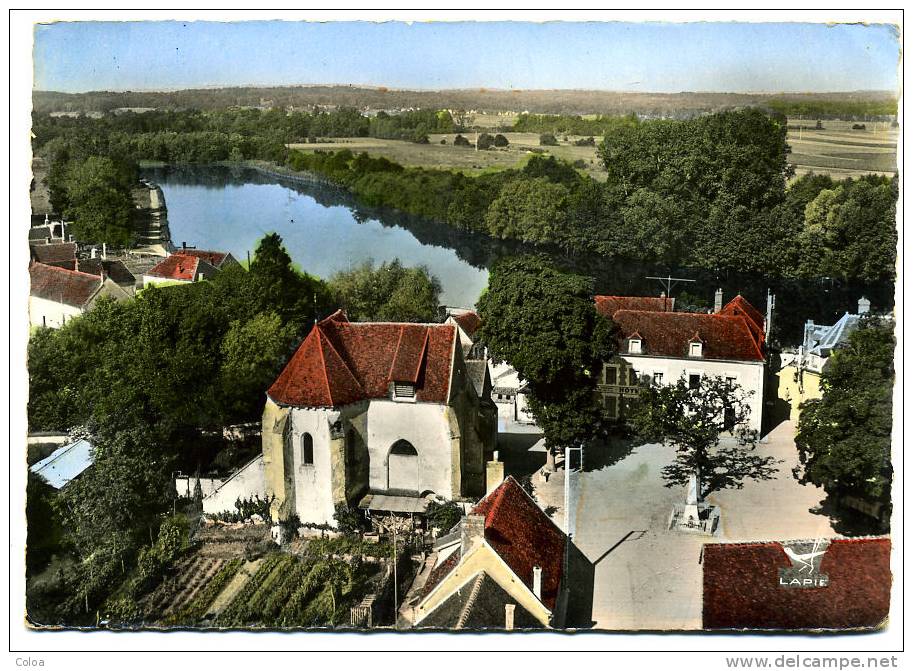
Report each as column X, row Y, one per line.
column 492, row 100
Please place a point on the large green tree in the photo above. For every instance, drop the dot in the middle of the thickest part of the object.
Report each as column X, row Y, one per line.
column 844, row 438
column 543, row 322
column 389, row 292
column 99, row 200
column 692, row 420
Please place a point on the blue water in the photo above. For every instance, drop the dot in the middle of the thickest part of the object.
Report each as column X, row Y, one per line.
column 322, row 239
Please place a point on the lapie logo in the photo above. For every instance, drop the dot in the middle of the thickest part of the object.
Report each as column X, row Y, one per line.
column 806, row 557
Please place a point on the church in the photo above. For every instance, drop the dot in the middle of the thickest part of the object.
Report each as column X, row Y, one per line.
column 375, row 411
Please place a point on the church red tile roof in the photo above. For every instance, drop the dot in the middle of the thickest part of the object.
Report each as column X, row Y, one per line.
column 524, row 536
column 469, row 321
column 667, row 334
column 342, row 362
column 181, row 266
column 609, row 305
column 61, row 285
column 742, row 590
column 54, row 252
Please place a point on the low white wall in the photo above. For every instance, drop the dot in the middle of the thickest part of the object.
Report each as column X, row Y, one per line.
column 43, row 312
column 184, row 485
column 250, row 480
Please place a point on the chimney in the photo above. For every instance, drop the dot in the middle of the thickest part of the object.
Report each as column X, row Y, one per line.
column 717, row 301
column 104, row 251
column 537, row 582
column 472, row 533
column 184, row 245
column 494, row 474
column 864, row 305
column 94, row 252
column 509, row 616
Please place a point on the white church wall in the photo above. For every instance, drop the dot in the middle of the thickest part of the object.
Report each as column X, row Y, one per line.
column 246, row 482
column 313, row 482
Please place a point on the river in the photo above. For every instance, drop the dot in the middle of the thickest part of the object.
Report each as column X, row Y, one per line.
column 326, row 230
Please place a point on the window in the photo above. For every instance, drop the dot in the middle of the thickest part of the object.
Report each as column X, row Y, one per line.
column 351, row 447
column 695, row 349
column 634, row 346
column 611, row 375
column 633, row 377
column 694, row 381
column 611, row 406
column 657, row 379
column 307, row 449
column 730, row 383
column 403, row 390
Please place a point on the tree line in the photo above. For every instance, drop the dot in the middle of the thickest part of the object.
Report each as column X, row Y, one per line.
column 598, row 125
column 709, row 192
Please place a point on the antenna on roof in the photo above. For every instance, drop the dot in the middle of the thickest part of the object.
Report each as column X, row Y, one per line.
column 668, row 282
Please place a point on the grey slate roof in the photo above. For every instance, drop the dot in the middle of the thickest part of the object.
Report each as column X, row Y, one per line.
column 64, row 463
column 821, row 340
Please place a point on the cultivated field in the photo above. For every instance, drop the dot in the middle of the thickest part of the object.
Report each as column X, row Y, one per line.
column 464, row 159
column 840, row 151
column 836, row 149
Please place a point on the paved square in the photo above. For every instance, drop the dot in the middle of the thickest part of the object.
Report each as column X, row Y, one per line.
column 647, row 577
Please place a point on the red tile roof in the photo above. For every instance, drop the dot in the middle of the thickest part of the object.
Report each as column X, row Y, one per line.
column 742, row 590
column 180, row 266
column 341, row 362
column 609, row 305
column 61, row 285
column 524, row 536
column 469, row 321
column 668, row 334
column 739, row 307
column 54, row 253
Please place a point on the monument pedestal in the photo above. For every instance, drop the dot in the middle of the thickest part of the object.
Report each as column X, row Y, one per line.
column 695, row 516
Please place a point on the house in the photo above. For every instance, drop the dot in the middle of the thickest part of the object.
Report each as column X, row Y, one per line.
column 218, row 260
column 113, row 269
column 799, row 377
column 65, row 463
column 475, row 354
column 377, row 415
column 840, row 584
column 501, row 567
column 59, row 294
column 659, row 346
column 505, row 387
column 182, row 268
column 47, row 233
column 55, row 252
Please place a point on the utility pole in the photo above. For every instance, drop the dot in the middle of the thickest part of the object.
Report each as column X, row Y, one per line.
column 395, row 585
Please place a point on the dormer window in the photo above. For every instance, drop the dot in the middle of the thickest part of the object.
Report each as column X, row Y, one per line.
column 634, row 346
column 695, row 349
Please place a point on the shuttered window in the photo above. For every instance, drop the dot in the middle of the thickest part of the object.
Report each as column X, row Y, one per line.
column 404, row 391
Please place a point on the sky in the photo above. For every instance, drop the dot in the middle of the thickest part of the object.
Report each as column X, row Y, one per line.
column 656, row 57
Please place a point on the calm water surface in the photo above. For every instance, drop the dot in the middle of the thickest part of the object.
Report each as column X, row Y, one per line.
column 326, row 230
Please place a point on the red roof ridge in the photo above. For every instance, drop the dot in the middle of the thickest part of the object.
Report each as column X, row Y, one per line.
column 335, row 317
column 399, row 341
column 324, row 337
column 744, row 321
column 421, row 354
column 323, row 364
